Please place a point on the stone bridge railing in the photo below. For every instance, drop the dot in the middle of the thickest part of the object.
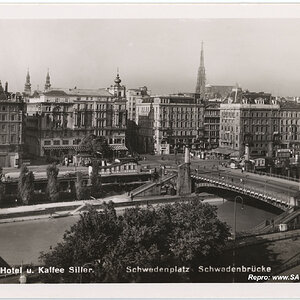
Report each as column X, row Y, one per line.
column 279, row 200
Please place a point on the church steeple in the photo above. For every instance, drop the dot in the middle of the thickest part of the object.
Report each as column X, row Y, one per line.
column 47, row 84
column 27, row 87
column 201, row 79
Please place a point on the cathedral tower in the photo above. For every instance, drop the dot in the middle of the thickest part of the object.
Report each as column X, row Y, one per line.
column 27, row 88
column 201, row 79
column 47, row 84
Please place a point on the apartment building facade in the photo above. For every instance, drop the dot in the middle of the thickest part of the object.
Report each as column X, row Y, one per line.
column 12, row 116
column 178, row 120
column 252, row 119
column 59, row 119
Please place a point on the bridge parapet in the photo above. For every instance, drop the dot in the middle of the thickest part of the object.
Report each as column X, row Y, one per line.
column 276, row 199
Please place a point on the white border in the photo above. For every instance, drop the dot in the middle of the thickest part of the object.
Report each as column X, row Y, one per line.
column 140, row 11
column 134, row 290
column 144, row 10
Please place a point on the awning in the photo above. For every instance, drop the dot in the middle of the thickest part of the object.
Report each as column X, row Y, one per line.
column 61, row 147
column 118, row 147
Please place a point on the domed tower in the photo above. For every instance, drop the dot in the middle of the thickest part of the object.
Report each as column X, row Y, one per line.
column 117, row 89
column 27, row 87
column 47, row 84
column 118, row 80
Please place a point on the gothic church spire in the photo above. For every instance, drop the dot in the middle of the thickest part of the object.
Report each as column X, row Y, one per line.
column 48, row 83
column 201, row 79
column 27, row 87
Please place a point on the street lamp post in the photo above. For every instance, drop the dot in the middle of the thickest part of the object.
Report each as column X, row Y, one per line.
column 265, row 190
column 234, row 231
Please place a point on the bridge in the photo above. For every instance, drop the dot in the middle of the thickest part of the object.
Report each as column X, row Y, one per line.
column 278, row 199
column 278, row 192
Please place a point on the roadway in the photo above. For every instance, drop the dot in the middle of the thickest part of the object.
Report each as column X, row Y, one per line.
column 213, row 168
column 261, row 182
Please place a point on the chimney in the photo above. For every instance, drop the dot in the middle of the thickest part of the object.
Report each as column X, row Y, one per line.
column 6, row 87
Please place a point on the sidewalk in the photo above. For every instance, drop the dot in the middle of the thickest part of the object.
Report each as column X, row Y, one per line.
column 262, row 177
column 253, row 240
column 47, row 206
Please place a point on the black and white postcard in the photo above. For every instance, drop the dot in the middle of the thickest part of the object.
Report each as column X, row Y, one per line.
column 149, row 144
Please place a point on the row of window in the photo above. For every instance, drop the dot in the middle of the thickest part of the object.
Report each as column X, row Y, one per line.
column 211, row 127
column 180, row 124
column 259, row 122
column 290, row 114
column 233, row 113
column 12, row 139
column 59, row 142
column 9, row 108
column 179, row 109
column 181, row 133
column 5, row 127
column 14, row 117
column 290, row 122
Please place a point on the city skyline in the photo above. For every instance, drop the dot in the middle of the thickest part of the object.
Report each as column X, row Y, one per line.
column 259, row 55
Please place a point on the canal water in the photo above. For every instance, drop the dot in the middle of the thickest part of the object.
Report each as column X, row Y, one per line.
column 22, row 242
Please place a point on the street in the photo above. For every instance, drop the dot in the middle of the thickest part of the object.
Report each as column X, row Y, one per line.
column 211, row 166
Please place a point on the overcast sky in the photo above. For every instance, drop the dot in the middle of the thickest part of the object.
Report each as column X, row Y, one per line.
column 260, row 55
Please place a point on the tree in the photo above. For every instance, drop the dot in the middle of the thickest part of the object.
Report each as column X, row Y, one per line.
column 180, row 234
column 95, row 179
column 96, row 146
column 2, row 186
column 2, row 192
column 52, row 184
column 80, row 189
column 26, row 185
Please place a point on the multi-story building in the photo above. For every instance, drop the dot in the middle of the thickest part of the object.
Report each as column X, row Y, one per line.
column 252, row 119
column 131, row 96
column 11, row 128
column 290, row 126
column 177, row 121
column 59, row 119
column 211, row 124
column 146, row 132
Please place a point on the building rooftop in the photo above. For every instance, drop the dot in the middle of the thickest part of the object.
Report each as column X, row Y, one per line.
column 290, row 105
column 246, row 97
column 79, row 92
column 55, row 93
